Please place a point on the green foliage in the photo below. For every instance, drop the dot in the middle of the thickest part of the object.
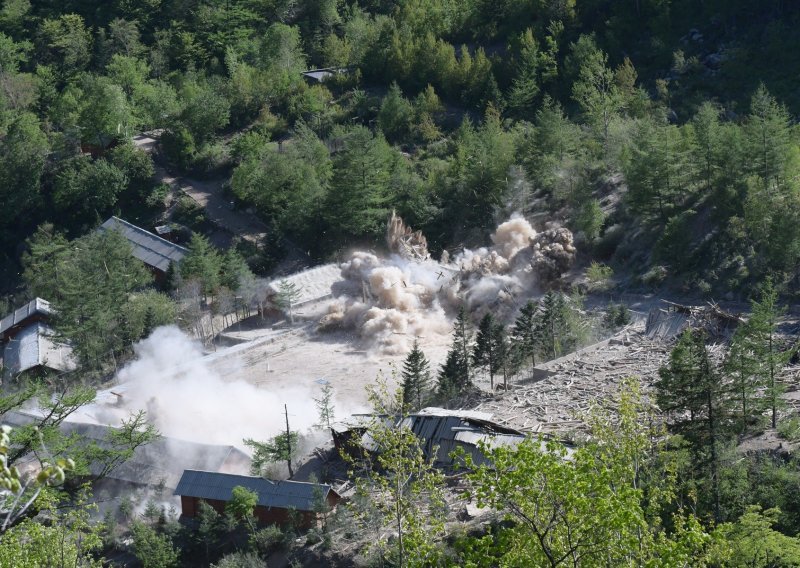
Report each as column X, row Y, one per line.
column 616, row 316
column 751, row 541
column 491, row 348
column 279, row 448
column 240, row 560
column 525, row 336
column 599, row 274
column 395, row 115
column 590, row 219
column 416, row 378
column 153, row 550
column 400, row 488
column 68, row 540
column 86, row 190
column 358, row 204
column 242, row 506
column 560, row 328
column 288, row 187
column 22, row 158
column 325, row 407
column 455, row 376
column 479, row 171
column 758, row 337
column 596, row 91
column 90, row 282
column 591, row 507
column 267, row 540
column 288, row 295
column 202, row 263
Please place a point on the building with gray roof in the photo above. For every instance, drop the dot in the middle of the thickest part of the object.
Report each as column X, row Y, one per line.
column 27, row 341
column 155, row 252
column 276, row 499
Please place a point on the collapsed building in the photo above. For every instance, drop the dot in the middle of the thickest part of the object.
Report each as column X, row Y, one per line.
column 667, row 323
column 443, row 434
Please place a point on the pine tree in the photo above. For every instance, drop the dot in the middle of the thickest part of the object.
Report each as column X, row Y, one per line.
column 525, row 87
column 325, row 407
column 203, row 263
column 149, row 321
column 502, row 352
column 490, row 350
column 742, row 366
column 691, row 383
column 462, row 341
column 416, row 377
column 525, row 332
column 454, row 377
column 762, row 327
column 769, row 138
column 553, row 326
column 483, row 350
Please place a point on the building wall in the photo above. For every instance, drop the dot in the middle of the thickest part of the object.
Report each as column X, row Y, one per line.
column 190, row 507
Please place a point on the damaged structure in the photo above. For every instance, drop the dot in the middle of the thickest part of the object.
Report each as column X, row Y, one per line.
column 27, row 342
column 278, row 501
column 667, row 323
column 441, row 432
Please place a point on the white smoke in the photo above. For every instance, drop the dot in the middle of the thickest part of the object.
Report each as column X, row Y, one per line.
column 186, row 399
column 390, row 301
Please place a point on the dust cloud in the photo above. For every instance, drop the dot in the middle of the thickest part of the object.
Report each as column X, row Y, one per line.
column 184, row 398
column 391, row 301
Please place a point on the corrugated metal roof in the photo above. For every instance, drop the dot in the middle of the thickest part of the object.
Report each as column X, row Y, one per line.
column 279, row 494
column 665, row 324
column 147, row 247
column 32, row 347
column 35, row 306
column 441, row 431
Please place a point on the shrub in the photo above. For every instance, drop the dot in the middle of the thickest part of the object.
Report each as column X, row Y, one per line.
column 599, row 274
column 268, row 539
column 655, row 276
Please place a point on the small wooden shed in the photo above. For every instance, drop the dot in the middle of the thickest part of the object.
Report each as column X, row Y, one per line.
column 276, row 499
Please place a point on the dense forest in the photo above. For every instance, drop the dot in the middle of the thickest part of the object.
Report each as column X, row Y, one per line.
column 660, row 132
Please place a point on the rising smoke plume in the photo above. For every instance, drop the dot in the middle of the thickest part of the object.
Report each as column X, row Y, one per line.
column 390, row 301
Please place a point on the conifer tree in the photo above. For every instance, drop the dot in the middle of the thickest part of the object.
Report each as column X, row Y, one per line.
column 742, row 366
column 454, row 376
column 525, row 332
column 416, row 377
column 553, row 325
column 490, row 349
column 502, row 352
column 325, row 407
column 203, row 263
column 761, row 328
column 691, row 383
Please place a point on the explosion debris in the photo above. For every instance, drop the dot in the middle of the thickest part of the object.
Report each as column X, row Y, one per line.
column 392, row 300
column 402, row 240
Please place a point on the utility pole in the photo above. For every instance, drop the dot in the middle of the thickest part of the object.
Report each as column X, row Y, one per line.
column 288, row 443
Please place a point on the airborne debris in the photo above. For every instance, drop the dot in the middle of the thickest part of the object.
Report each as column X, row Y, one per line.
column 402, row 240
column 390, row 301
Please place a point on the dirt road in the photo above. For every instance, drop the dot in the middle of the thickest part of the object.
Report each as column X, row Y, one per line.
column 209, row 195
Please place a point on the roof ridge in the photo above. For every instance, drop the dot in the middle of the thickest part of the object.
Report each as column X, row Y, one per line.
column 143, row 230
